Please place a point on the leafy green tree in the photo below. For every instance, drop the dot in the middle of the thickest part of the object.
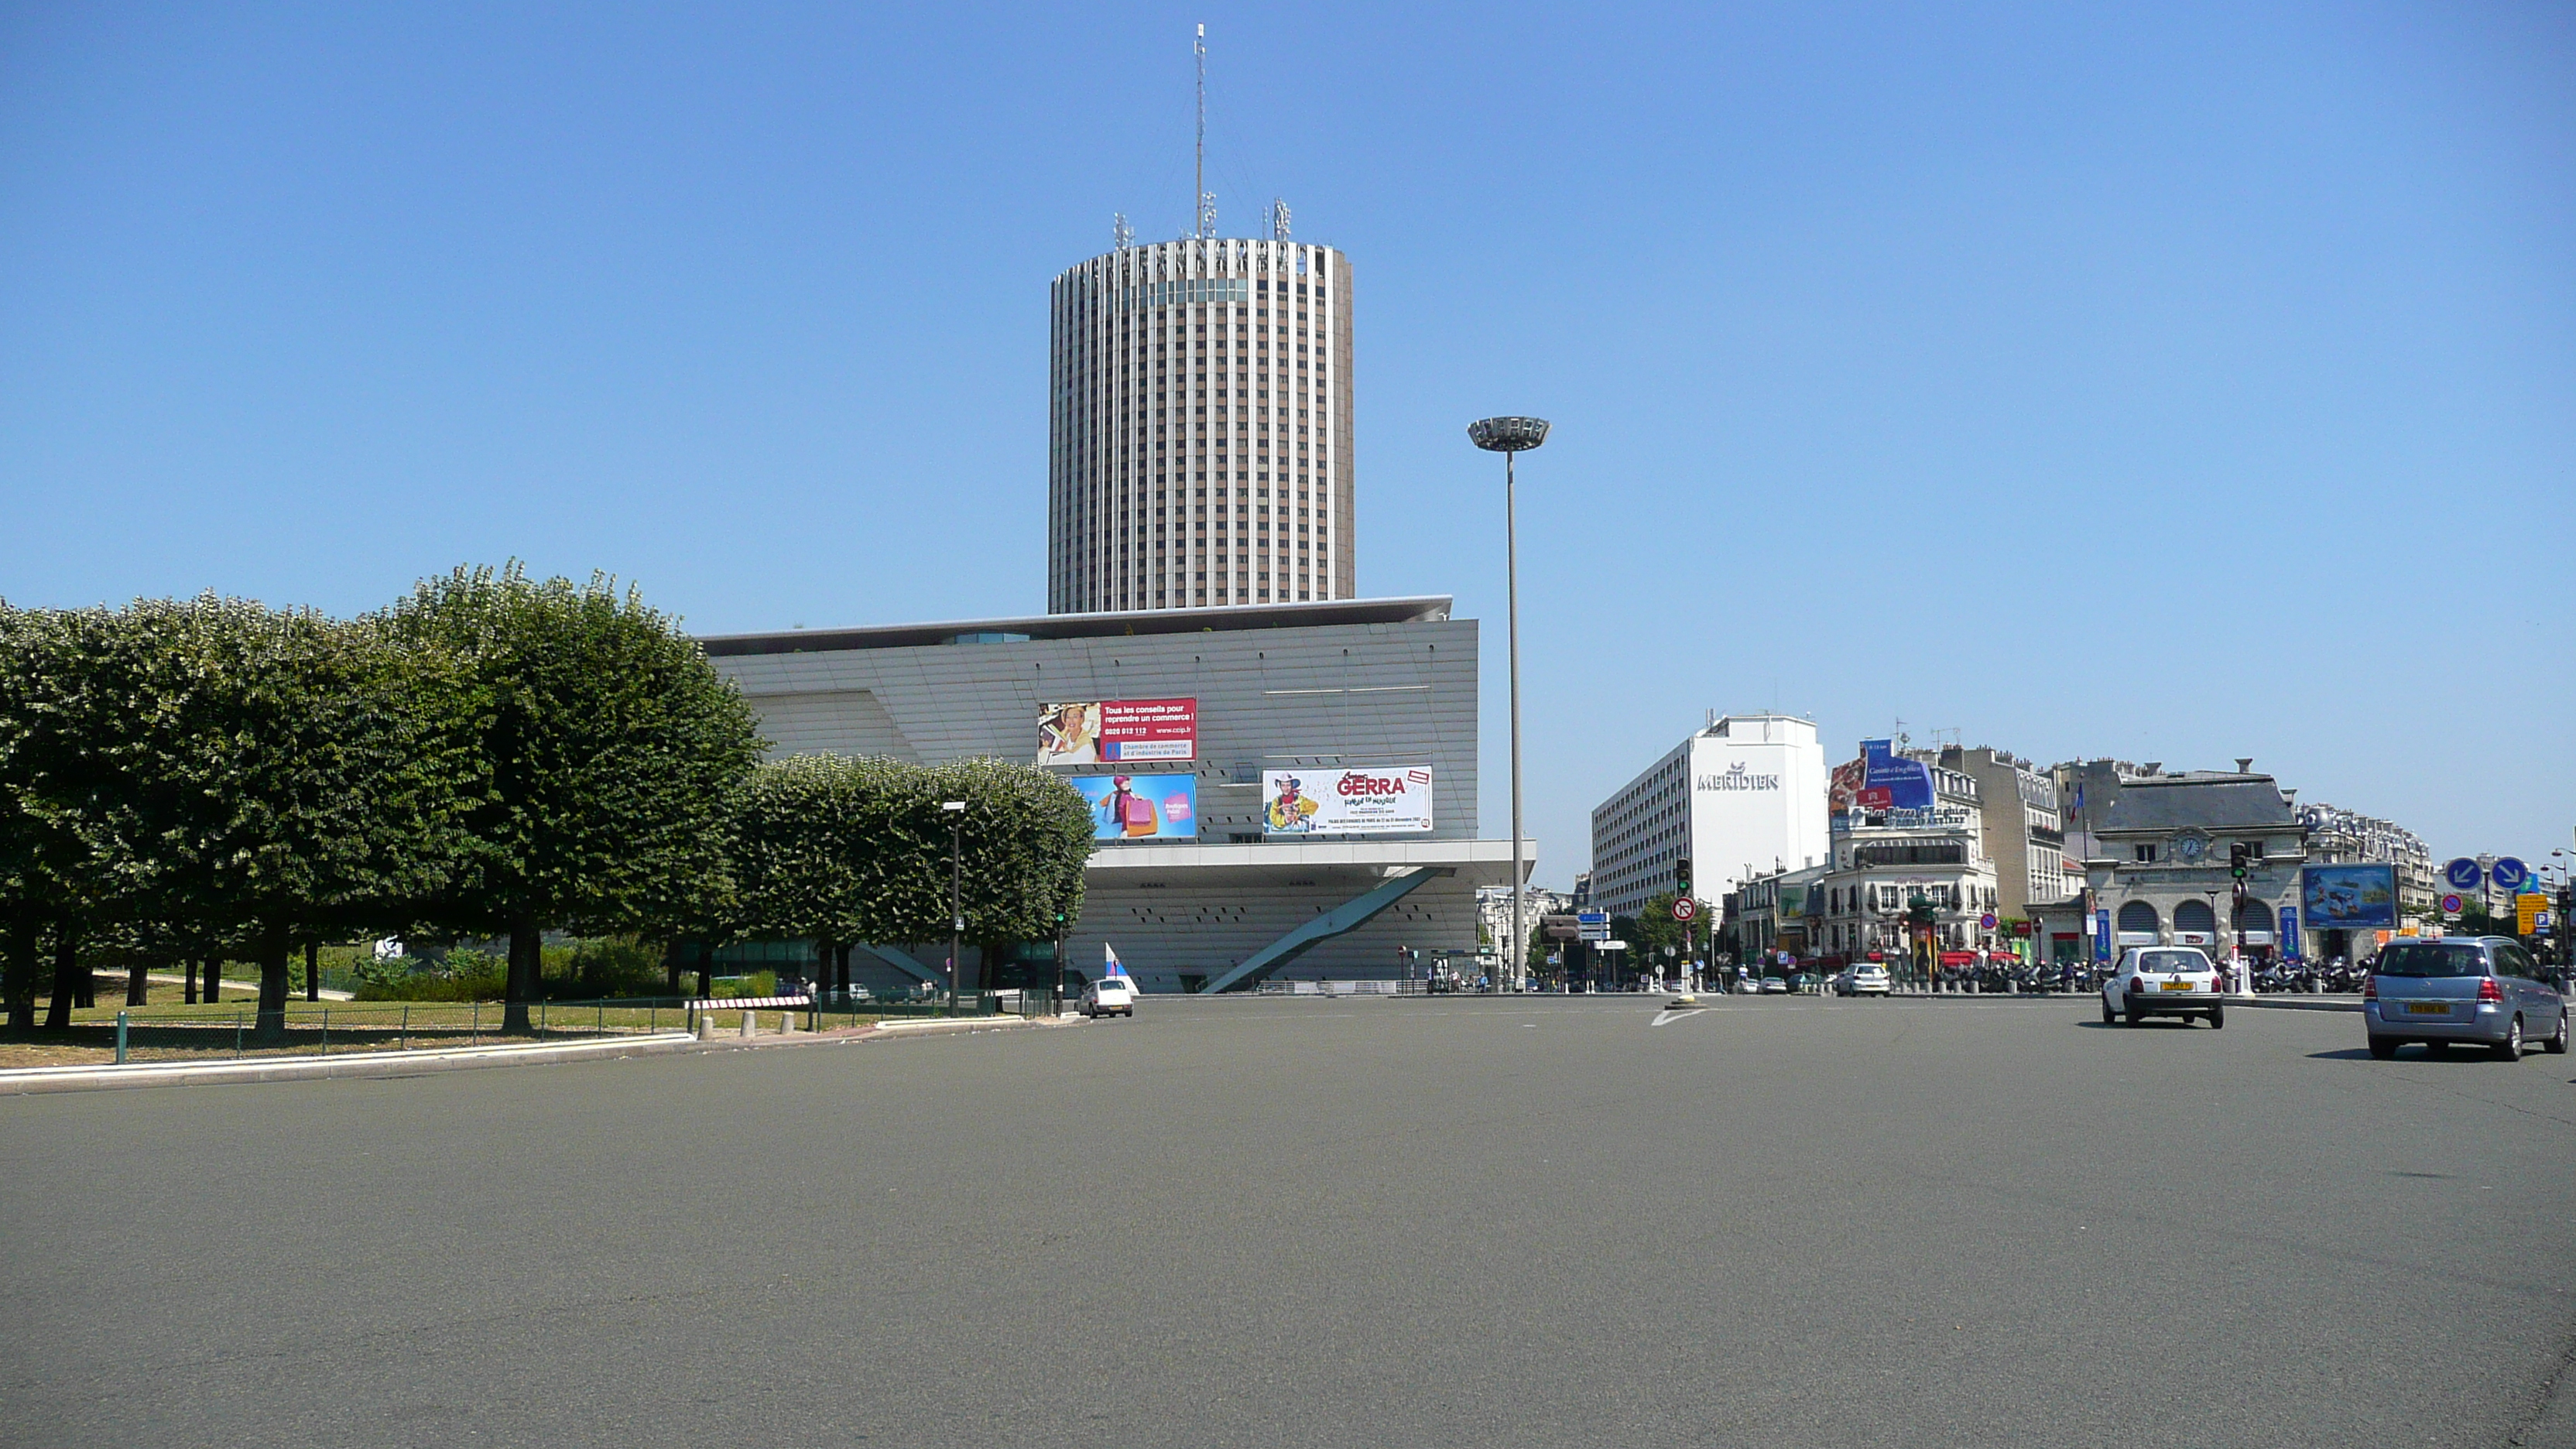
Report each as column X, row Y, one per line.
column 39, row 860
column 804, row 836
column 266, row 776
column 56, row 881
column 613, row 751
column 1023, row 841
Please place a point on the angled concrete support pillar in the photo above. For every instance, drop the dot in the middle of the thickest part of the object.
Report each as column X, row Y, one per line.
column 1348, row 916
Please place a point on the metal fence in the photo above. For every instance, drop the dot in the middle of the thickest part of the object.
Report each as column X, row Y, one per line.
column 207, row 1033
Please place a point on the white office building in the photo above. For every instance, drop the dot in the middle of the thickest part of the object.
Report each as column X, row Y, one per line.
column 1199, row 427
column 1742, row 798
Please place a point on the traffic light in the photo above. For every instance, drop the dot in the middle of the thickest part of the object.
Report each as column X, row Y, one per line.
column 2236, row 857
column 1681, row 875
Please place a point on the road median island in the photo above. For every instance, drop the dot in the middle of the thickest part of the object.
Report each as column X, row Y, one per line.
column 27, row 1081
column 30, row 1080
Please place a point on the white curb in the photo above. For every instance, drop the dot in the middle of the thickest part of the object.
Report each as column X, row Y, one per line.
column 25, row 1080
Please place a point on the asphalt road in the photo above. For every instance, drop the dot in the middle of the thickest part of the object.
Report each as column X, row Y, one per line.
column 1292, row 1222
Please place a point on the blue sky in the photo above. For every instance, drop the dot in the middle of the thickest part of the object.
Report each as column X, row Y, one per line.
column 2171, row 382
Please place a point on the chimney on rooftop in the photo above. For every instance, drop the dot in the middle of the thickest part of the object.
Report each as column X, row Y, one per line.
column 2245, row 764
column 2152, row 767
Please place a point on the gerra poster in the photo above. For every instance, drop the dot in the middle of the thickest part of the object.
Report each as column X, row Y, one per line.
column 1346, row 802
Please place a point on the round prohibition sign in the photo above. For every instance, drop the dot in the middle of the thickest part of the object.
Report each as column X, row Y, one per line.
column 1684, row 908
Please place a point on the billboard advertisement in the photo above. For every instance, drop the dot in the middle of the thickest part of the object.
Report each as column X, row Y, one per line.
column 1907, row 784
column 1141, row 807
column 2349, row 897
column 1117, row 731
column 1345, row 802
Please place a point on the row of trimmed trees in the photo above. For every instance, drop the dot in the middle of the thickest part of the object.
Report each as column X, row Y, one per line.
column 492, row 756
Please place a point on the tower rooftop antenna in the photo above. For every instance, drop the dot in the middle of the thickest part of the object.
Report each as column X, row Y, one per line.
column 1205, row 207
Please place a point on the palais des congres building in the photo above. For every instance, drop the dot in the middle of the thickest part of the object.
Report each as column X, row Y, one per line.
column 1283, row 790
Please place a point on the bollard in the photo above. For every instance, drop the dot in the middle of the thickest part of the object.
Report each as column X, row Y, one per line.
column 120, row 1038
column 787, row 1023
column 751, row 1023
column 706, row 1026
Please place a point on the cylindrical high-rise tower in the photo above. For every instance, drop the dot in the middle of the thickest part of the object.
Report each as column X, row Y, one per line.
column 1199, row 438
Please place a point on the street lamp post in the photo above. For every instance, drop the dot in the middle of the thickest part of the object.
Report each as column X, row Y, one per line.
column 956, row 812
column 1509, row 436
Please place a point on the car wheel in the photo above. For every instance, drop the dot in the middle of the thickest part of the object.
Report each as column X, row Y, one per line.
column 2510, row 1049
column 2218, row 1018
column 2137, row 1016
column 2436, row 1048
column 2109, row 1017
column 2557, row 1044
column 2382, row 1048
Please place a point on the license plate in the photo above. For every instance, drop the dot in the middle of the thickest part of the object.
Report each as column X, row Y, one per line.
column 2427, row 1008
column 2176, row 986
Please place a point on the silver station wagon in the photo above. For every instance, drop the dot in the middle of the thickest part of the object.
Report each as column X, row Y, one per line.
column 2481, row 989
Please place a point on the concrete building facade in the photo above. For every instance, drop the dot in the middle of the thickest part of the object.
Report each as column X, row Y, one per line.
column 2164, row 839
column 2347, row 837
column 1199, row 427
column 1885, row 859
column 2023, row 832
column 1742, row 798
column 1295, row 687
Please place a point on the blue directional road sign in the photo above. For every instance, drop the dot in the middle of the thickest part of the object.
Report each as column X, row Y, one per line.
column 2463, row 874
column 2508, row 874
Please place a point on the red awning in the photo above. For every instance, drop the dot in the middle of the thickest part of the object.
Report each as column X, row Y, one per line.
column 1958, row 958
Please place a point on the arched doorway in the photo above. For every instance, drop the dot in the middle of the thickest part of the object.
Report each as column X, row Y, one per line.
column 2138, row 923
column 2195, row 924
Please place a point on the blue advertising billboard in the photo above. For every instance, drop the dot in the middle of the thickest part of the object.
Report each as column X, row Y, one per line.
column 1907, row 783
column 2349, row 897
column 1142, row 807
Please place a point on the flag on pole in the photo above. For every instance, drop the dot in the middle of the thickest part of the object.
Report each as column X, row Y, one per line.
column 1112, row 971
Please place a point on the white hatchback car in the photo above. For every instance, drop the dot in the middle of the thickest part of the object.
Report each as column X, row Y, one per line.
column 2164, row 981
column 1109, row 996
column 1868, row 978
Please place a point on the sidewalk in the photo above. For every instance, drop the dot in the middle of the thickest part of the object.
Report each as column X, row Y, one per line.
column 28, row 1081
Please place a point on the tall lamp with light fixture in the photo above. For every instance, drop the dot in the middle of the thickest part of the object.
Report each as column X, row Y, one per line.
column 956, row 812
column 1510, row 436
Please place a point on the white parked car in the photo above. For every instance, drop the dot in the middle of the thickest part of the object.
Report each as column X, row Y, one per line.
column 2164, row 981
column 1865, row 978
column 1109, row 996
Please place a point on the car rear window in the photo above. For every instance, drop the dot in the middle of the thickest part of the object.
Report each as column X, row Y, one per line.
column 2429, row 960
column 2166, row 963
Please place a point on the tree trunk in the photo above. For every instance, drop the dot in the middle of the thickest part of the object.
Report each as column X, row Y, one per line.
column 312, row 971
column 67, row 974
column 188, row 978
column 706, row 971
column 138, row 984
column 841, row 972
column 20, row 968
column 526, row 976
column 671, row 969
column 274, row 965
column 85, row 988
column 214, row 990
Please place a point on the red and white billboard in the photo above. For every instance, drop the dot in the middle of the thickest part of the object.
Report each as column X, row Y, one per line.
column 1117, row 731
column 1345, row 802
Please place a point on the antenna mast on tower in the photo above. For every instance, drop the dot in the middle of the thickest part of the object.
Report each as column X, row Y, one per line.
column 1206, row 207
